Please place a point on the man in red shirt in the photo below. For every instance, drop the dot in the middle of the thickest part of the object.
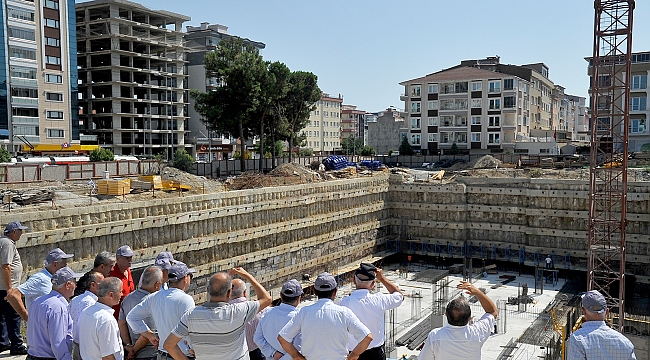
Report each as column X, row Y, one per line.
column 122, row 271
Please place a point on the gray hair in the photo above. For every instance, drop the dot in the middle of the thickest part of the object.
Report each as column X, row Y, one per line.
column 365, row 284
column 151, row 275
column 109, row 284
column 238, row 290
column 104, row 258
column 93, row 278
column 218, row 288
column 458, row 312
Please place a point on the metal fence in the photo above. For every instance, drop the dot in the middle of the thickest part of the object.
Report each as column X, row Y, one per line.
column 21, row 173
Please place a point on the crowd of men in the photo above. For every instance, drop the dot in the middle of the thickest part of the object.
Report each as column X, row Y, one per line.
column 101, row 315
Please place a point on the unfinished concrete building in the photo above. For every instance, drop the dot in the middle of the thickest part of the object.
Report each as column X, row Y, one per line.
column 132, row 77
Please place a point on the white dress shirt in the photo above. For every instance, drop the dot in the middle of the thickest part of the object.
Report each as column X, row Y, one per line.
column 166, row 308
column 99, row 335
column 76, row 306
column 325, row 327
column 266, row 333
column 458, row 342
column 370, row 309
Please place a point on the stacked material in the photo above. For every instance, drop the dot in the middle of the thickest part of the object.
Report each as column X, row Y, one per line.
column 374, row 165
column 113, row 187
column 25, row 197
column 416, row 335
column 156, row 180
column 335, row 162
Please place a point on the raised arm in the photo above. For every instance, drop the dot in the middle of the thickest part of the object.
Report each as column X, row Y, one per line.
column 262, row 295
column 488, row 305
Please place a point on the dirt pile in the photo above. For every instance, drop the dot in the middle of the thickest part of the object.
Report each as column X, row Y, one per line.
column 199, row 184
column 485, row 162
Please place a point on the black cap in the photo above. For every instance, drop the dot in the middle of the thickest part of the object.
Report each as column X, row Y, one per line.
column 366, row 272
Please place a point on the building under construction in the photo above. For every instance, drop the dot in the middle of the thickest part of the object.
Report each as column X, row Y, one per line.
column 132, row 77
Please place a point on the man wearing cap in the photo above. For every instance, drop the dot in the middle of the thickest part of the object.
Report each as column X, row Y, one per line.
column 99, row 337
column 274, row 319
column 103, row 264
column 166, row 308
column 458, row 339
column 217, row 328
column 11, row 270
column 122, row 271
column 136, row 346
column 49, row 327
column 164, row 260
column 80, row 303
column 595, row 340
column 325, row 327
column 370, row 308
column 239, row 295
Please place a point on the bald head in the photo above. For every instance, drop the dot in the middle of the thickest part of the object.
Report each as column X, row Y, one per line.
column 219, row 286
column 238, row 289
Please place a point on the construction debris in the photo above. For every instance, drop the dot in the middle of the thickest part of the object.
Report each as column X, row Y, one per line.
column 27, row 196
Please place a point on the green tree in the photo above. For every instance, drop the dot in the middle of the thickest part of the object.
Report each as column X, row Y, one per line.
column 352, row 145
column 5, row 155
column 405, row 148
column 101, row 154
column 240, row 71
column 367, row 150
column 182, row 160
column 454, row 149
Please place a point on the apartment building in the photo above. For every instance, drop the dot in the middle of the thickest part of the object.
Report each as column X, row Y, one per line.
column 133, row 91
column 323, row 132
column 352, row 122
column 479, row 110
column 38, row 77
column 199, row 40
column 386, row 129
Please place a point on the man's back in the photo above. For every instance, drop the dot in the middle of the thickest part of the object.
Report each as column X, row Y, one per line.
column 49, row 327
column 597, row 341
column 272, row 321
column 128, row 303
column 458, row 342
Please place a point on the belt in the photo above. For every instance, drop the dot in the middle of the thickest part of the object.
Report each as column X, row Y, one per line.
column 165, row 354
column 32, row 357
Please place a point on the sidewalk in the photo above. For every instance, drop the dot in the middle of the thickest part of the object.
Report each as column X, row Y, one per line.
column 5, row 356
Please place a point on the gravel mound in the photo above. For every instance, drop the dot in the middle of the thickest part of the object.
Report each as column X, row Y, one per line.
column 485, row 162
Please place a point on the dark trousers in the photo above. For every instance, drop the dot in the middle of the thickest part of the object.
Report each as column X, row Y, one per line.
column 256, row 354
column 10, row 324
column 376, row 353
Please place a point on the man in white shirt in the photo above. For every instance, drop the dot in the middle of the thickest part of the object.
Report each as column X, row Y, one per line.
column 81, row 303
column 458, row 340
column 371, row 308
column 99, row 336
column 325, row 327
column 274, row 319
column 166, row 308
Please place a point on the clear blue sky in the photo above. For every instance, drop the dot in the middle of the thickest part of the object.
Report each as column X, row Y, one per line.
column 362, row 49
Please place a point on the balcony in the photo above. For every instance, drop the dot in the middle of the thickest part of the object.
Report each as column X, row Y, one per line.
column 29, row 120
column 21, row 81
column 88, row 138
column 24, row 101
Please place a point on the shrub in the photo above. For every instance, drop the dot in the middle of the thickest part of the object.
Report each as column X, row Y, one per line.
column 101, row 154
column 5, row 156
column 182, row 160
column 306, row 152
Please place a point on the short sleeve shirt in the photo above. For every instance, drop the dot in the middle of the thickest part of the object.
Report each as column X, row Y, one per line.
column 128, row 286
column 458, row 342
column 129, row 303
column 37, row 285
column 9, row 255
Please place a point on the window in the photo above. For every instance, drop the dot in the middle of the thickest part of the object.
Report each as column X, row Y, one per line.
column 432, row 121
column 446, row 137
column 21, row 14
column 24, row 92
column 23, row 73
column 433, row 88
column 495, row 104
column 52, row 23
column 415, row 139
column 461, row 104
column 509, row 102
column 52, row 41
column 461, row 87
column 509, row 84
column 638, row 104
column 477, row 86
column 56, row 115
column 53, row 60
column 461, row 137
column 639, row 82
column 476, row 137
column 433, row 105
column 493, row 121
column 493, row 138
column 55, row 133
column 476, row 120
column 641, row 58
column 447, row 120
column 51, row 4
column 604, row 102
column 22, row 34
column 26, row 130
column 448, row 88
column 415, row 107
column 603, row 124
column 447, row 104
column 494, row 86
column 637, row 126
column 415, row 90
column 433, row 137
column 415, row 123
column 461, row 120
column 54, row 96
column 22, row 53
column 477, row 103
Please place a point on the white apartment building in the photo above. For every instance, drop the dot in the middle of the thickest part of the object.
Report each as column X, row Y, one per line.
column 323, row 132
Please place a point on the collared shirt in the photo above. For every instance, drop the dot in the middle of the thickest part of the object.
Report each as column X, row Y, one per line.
column 49, row 327
column 597, row 341
column 166, row 308
column 99, row 334
column 250, row 326
column 77, row 305
column 325, row 327
column 266, row 334
column 9, row 255
column 458, row 342
column 129, row 303
column 37, row 285
column 370, row 309
column 216, row 329
column 128, row 286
